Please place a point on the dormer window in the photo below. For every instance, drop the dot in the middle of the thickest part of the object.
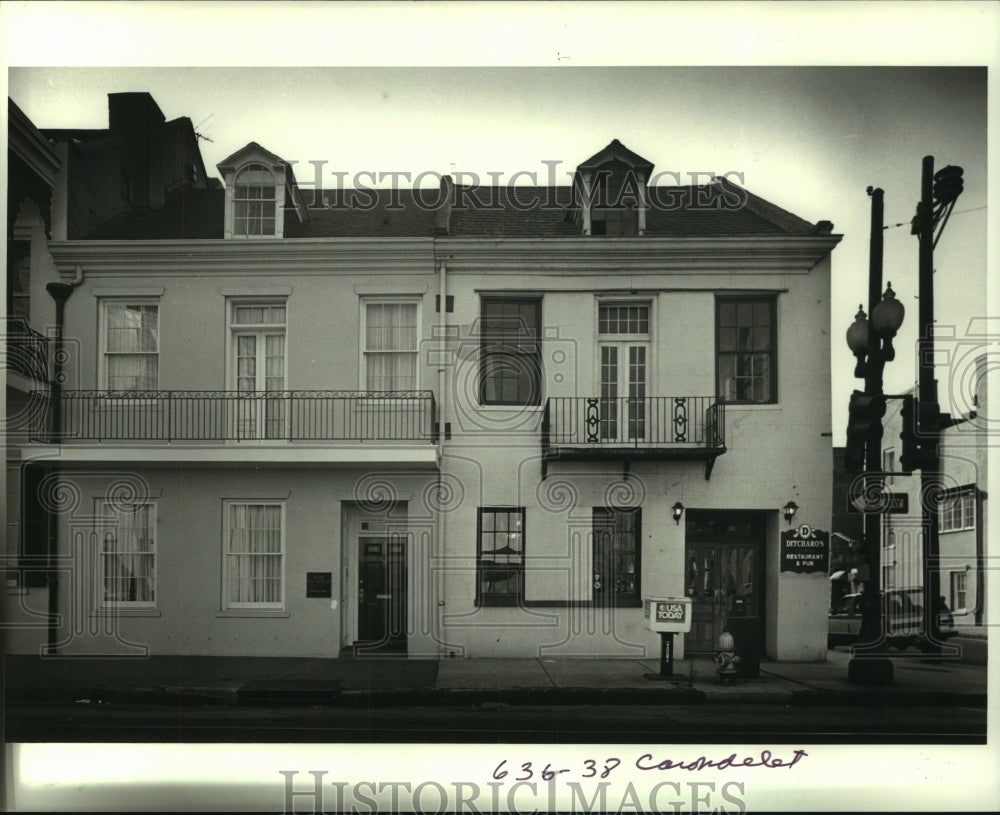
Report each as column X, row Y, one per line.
column 615, row 222
column 254, row 202
column 610, row 192
column 260, row 193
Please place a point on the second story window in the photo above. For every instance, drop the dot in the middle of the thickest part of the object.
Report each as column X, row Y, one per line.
column 746, row 355
column 510, row 354
column 131, row 340
column 389, row 348
column 254, row 202
column 958, row 511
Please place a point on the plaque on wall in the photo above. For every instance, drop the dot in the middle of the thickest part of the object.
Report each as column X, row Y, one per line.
column 319, row 584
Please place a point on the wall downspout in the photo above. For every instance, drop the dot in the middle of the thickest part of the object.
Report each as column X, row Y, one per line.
column 59, row 292
column 441, row 512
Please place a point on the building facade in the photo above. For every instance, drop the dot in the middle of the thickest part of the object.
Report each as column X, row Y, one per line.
column 469, row 422
column 961, row 499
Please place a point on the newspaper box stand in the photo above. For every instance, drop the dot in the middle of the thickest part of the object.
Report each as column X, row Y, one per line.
column 667, row 616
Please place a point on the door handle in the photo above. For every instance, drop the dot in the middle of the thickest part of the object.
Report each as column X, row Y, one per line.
column 383, row 596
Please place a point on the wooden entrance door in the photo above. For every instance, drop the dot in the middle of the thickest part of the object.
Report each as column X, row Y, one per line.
column 723, row 578
column 381, row 589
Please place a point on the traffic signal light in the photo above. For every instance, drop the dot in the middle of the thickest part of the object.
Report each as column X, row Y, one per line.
column 864, row 414
column 948, row 184
column 915, row 454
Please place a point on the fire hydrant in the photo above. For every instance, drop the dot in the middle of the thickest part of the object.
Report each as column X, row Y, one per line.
column 726, row 659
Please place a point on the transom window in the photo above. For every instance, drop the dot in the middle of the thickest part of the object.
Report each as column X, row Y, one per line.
column 746, row 349
column 958, row 512
column 128, row 554
column 131, row 340
column 254, row 202
column 389, row 359
column 616, row 556
column 253, row 555
column 511, row 354
column 623, row 318
column 500, row 556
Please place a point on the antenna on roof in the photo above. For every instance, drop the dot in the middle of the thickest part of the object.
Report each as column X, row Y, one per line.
column 201, row 135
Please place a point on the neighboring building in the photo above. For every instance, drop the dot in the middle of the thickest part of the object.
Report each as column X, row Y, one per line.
column 962, row 519
column 847, row 564
column 32, row 170
column 142, row 175
column 466, row 421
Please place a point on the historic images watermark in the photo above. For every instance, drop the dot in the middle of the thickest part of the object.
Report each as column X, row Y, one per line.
column 522, row 190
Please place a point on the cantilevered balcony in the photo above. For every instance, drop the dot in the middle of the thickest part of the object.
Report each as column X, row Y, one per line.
column 242, row 416
column 680, row 428
column 26, row 351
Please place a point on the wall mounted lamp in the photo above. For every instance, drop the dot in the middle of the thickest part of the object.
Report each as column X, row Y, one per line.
column 678, row 510
column 789, row 510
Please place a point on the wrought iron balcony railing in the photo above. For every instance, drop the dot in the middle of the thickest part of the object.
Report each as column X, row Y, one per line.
column 195, row 416
column 627, row 428
column 26, row 351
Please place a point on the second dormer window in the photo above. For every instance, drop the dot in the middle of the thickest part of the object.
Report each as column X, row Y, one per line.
column 254, row 202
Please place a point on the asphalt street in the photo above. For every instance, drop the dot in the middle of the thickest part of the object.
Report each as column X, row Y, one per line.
column 498, row 723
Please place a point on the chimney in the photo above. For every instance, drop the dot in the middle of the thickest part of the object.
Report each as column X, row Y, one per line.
column 131, row 113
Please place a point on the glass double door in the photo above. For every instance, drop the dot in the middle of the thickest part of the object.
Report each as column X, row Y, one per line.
column 723, row 580
column 259, row 362
column 624, row 380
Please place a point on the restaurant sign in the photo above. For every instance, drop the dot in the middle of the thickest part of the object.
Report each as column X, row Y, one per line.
column 805, row 549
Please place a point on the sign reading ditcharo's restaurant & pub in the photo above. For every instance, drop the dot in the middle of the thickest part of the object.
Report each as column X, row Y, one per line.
column 805, row 549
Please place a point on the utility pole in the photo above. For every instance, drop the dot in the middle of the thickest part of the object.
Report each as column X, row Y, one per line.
column 943, row 189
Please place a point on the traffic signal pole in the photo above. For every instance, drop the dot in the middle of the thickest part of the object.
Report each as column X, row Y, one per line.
column 928, row 413
column 869, row 664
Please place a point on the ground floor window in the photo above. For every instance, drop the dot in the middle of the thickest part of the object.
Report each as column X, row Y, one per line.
column 253, row 562
column 616, row 556
column 128, row 554
column 500, row 556
column 959, row 590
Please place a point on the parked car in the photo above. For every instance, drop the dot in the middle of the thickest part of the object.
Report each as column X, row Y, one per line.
column 904, row 619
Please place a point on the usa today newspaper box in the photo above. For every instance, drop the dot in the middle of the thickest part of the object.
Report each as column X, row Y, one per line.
column 667, row 616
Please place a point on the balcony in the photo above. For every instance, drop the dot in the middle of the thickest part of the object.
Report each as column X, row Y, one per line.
column 26, row 351
column 592, row 428
column 255, row 418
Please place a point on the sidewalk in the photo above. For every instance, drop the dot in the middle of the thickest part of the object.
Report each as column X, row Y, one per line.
column 201, row 680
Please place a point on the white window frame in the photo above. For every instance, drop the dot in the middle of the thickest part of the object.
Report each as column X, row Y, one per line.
column 227, row 506
column 234, row 328
column 277, row 177
column 889, row 464
column 102, row 339
column 370, row 300
column 967, row 503
column 106, row 524
column 622, row 341
column 959, row 585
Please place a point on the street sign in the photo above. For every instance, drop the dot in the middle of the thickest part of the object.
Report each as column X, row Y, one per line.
column 885, row 504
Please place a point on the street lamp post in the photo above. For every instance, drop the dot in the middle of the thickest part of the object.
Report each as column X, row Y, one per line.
column 871, row 343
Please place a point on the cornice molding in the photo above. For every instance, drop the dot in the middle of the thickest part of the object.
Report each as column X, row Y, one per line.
column 235, row 257
column 567, row 256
